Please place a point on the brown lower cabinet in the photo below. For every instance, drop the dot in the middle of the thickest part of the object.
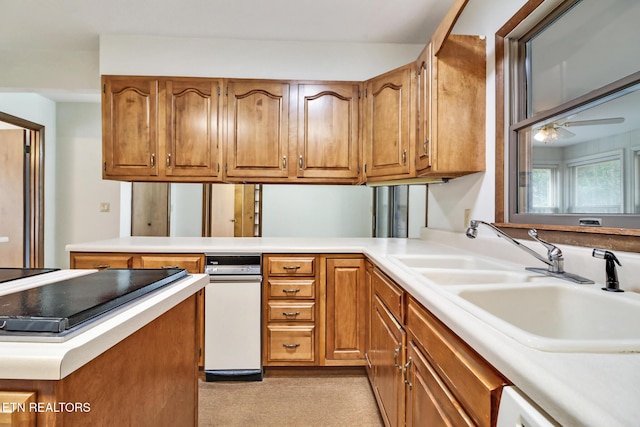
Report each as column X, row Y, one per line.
column 193, row 263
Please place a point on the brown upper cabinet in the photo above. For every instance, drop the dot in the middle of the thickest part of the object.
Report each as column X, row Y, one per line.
column 161, row 129
column 130, row 127
column 388, row 135
column 451, row 108
column 328, row 131
column 257, row 130
column 425, row 119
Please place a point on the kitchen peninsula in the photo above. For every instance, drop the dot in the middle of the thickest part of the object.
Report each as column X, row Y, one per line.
column 573, row 387
column 134, row 365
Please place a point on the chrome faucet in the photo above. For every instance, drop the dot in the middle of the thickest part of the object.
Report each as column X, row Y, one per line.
column 554, row 260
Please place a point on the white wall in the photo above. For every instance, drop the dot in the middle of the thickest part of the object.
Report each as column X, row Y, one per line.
column 81, row 188
column 42, row 111
column 477, row 191
column 316, row 211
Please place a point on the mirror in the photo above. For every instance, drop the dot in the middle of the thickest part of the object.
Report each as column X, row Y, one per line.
column 583, row 164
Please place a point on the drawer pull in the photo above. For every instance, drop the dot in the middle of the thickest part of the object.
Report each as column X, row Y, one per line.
column 291, row 267
column 290, row 313
column 169, row 266
column 296, row 345
column 291, row 291
column 101, row 266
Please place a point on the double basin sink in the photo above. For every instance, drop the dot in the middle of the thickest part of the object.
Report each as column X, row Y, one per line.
column 537, row 311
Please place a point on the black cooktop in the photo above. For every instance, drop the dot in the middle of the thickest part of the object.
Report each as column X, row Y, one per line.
column 62, row 305
column 9, row 274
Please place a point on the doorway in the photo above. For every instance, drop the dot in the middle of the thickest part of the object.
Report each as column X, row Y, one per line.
column 22, row 189
column 150, row 209
column 232, row 210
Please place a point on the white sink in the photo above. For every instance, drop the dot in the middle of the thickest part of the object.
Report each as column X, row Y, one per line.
column 463, row 262
column 474, row 277
column 560, row 318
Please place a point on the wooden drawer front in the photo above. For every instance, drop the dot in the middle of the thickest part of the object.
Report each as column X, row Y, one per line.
column 390, row 294
column 430, row 402
column 475, row 383
column 291, row 343
column 291, row 288
column 101, row 261
column 291, row 266
column 192, row 263
column 292, row 311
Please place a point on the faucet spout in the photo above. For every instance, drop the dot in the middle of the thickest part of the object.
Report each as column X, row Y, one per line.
column 554, row 259
column 472, row 233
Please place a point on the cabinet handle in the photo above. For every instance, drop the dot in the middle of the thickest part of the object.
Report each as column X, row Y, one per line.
column 300, row 162
column 424, row 145
column 284, row 162
column 153, row 159
column 404, row 157
column 291, row 345
column 169, row 160
column 291, row 291
column 169, row 266
column 404, row 373
column 101, row 266
column 290, row 313
column 396, row 352
column 291, row 267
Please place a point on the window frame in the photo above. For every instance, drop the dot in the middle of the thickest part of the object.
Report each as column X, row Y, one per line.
column 606, row 237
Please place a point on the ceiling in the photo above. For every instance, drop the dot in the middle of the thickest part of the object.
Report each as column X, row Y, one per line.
column 77, row 24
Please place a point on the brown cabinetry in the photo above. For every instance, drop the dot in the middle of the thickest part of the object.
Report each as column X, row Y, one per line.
column 346, row 311
column 193, row 263
column 328, row 144
column 451, row 114
column 291, row 308
column 388, row 125
column 386, row 351
column 161, row 129
column 257, row 129
column 448, row 382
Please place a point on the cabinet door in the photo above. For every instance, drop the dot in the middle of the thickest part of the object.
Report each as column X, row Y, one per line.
column 347, row 307
column 423, row 140
column 257, row 134
column 130, row 126
column 387, row 354
column 192, row 129
column 429, row 402
column 328, row 124
column 388, row 100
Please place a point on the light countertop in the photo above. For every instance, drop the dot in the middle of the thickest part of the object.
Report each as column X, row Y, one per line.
column 55, row 360
column 594, row 389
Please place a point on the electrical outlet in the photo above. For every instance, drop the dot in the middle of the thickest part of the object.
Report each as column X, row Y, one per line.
column 467, row 217
column 105, row 207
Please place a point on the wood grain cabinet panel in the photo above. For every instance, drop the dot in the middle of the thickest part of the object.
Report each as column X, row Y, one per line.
column 193, row 112
column 291, row 266
column 328, row 131
column 388, row 124
column 291, row 343
column 347, row 308
column 387, row 354
column 101, row 261
column 257, row 133
column 452, row 108
column 473, row 381
column 130, row 126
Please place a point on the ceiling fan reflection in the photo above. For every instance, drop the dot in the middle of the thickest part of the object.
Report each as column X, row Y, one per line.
column 556, row 130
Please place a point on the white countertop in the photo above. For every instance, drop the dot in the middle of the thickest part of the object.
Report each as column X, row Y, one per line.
column 595, row 389
column 55, row 360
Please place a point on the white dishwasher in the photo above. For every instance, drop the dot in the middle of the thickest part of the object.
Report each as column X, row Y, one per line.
column 516, row 410
column 233, row 318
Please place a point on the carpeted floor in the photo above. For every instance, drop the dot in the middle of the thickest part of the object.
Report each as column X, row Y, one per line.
column 300, row 401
